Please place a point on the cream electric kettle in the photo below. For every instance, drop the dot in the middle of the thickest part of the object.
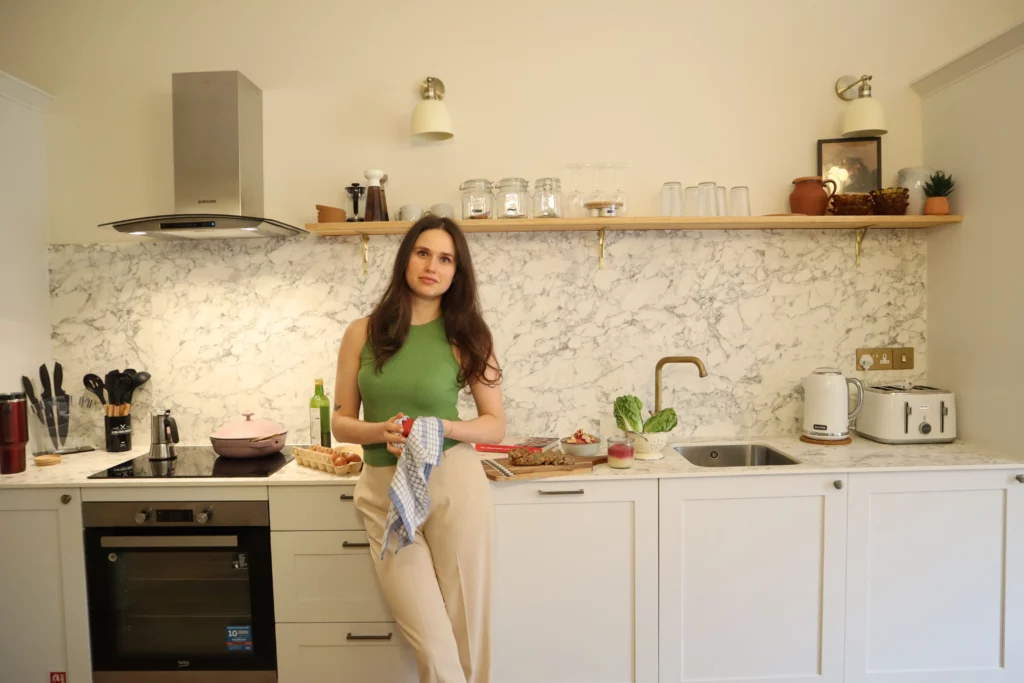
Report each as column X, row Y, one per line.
column 827, row 411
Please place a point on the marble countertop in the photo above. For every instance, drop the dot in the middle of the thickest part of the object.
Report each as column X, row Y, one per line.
column 861, row 455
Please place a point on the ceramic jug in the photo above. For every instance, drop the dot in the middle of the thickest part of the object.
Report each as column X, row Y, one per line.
column 810, row 197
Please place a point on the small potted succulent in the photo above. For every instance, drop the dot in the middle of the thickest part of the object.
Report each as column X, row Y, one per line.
column 937, row 189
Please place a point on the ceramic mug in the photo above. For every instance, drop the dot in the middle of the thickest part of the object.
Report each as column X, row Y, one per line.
column 409, row 212
column 442, row 210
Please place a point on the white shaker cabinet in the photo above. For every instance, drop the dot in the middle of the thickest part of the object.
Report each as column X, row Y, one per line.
column 358, row 652
column 575, row 586
column 752, row 576
column 935, row 586
column 42, row 586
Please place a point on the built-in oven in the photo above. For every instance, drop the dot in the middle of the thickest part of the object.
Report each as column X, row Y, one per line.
column 180, row 592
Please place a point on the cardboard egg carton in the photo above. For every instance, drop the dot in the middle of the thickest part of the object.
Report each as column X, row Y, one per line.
column 323, row 459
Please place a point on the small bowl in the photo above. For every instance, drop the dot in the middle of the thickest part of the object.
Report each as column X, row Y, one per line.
column 330, row 214
column 581, row 450
column 851, row 204
column 892, row 201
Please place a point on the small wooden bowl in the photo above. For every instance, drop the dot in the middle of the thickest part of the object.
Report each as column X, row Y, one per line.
column 330, row 214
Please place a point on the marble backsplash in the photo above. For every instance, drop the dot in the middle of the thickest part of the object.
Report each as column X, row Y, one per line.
column 231, row 326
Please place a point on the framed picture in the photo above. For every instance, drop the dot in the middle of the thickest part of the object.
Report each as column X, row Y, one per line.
column 854, row 163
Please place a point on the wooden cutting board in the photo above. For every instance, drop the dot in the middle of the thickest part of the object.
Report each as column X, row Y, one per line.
column 581, row 466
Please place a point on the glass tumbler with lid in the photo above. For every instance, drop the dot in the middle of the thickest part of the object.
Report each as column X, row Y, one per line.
column 547, row 198
column 477, row 198
column 513, row 198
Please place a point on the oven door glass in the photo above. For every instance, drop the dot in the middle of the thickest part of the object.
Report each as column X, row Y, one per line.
column 181, row 599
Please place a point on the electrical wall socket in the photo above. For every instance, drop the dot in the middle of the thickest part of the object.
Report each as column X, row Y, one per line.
column 900, row 358
column 903, row 358
column 874, row 359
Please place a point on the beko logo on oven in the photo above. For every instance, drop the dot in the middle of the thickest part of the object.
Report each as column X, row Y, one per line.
column 184, row 663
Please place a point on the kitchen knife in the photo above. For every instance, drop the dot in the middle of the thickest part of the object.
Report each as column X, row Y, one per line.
column 30, row 393
column 63, row 403
column 48, row 404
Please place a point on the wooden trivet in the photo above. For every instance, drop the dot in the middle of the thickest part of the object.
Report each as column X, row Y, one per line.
column 820, row 442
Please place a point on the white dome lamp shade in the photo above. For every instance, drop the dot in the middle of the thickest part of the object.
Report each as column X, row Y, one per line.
column 865, row 117
column 430, row 118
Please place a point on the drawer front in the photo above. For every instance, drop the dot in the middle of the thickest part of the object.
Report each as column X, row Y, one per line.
column 325, row 576
column 558, row 490
column 313, row 508
column 350, row 652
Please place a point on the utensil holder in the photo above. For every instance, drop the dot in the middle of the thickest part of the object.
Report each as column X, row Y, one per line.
column 118, row 432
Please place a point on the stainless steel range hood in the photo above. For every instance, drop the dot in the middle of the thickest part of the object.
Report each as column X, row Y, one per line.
column 218, row 163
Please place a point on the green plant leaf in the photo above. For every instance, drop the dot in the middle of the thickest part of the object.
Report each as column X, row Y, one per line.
column 939, row 185
column 629, row 414
column 664, row 421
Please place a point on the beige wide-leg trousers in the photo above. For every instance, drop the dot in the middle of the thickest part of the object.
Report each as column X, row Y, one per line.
column 439, row 588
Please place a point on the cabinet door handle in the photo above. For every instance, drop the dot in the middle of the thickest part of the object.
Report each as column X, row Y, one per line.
column 355, row 544
column 352, row 636
column 572, row 492
column 346, row 496
column 65, row 499
column 838, row 483
column 1020, row 478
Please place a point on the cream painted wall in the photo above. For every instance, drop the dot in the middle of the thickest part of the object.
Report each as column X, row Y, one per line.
column 733, row 90
column 975, row 280
column 24, row 276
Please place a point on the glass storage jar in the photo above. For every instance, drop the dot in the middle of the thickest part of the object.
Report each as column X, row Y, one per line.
column 620, row 453
column 513, row 198
column 547, row 198
column 477, row 198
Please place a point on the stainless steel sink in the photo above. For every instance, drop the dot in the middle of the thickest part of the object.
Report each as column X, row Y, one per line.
column 736, row 455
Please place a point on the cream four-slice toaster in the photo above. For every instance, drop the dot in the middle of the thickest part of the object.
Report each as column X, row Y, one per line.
column 907, row 414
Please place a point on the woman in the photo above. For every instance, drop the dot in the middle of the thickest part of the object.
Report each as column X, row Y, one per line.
column 425, row 341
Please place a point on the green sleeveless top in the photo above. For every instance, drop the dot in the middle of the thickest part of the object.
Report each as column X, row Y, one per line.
column 420, row 380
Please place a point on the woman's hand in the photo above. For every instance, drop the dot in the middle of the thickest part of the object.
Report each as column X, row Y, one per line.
column 392, row 435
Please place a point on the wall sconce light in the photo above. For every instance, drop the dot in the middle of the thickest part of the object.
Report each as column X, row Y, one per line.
column 865, row 117
column 430, row 118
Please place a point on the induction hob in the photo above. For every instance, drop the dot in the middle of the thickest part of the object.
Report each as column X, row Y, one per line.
column 197, row 461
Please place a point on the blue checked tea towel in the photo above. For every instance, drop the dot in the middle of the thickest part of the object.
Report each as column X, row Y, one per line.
column 410, row 497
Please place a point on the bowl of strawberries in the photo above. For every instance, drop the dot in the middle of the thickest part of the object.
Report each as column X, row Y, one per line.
column 581, row 444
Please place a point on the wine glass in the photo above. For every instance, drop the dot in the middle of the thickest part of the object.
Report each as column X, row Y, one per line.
column 618, row 196
column 574, row 199
column 595, row 170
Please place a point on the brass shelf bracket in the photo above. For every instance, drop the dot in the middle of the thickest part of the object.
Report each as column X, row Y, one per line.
column 861, row 232
column 600, row 244
column 366, row 253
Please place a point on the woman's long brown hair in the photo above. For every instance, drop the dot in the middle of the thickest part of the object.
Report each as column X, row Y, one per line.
column 460, row 307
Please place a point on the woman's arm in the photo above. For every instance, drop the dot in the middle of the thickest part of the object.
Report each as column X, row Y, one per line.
column 345, row 423
column 489, row 425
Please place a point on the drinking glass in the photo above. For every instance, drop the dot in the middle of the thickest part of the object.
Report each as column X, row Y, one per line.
column 691, row 201
column 672, row 199
column 739, row 201
column 707, row 199
column 574, row 199
column 721, row 206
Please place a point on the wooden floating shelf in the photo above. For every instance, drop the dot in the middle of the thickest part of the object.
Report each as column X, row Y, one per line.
column 648, row 223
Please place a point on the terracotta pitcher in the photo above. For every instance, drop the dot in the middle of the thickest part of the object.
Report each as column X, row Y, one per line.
column 810, row 197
